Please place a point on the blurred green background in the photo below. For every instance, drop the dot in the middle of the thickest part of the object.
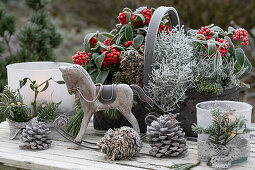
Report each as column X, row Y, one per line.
column 75, row 18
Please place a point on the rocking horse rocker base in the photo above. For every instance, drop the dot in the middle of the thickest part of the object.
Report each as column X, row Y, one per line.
column 60, row 123
column 98, row 97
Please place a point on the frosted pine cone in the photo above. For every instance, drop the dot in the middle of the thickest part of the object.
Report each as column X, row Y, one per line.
column 35, row 136
column 121, row 143
column 166, row 137
column 132, row 67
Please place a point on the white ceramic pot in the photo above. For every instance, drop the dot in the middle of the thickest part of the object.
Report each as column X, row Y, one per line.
column 41, row 71
column 15, row 128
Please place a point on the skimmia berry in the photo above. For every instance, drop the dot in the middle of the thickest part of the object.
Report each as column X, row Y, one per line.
column 241, row 35
column 81, row 58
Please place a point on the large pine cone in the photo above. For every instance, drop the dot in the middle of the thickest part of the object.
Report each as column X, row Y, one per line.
column 121, row 143
column 132, row 67
column 166, row 137
column 35, row 136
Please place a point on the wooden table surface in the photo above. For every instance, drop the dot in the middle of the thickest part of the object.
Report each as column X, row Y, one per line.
column 66, row 155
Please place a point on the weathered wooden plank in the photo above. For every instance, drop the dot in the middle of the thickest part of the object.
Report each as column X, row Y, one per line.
column 77, row 158
column 94, row 155
column 63, row 152
column 38, row 163
column 71, row 156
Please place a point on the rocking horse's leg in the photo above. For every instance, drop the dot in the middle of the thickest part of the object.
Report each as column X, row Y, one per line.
column 127, row 113
column 84, row 125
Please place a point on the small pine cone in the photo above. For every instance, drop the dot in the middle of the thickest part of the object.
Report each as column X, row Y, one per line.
column 166, row 137
column 132, row 65
column 35, row 136
column 121, row 143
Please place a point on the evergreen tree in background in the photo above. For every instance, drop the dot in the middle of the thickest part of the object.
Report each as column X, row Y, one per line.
column 7, row 29
column 38, row 37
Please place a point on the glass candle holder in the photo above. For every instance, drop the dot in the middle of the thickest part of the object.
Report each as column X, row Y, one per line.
column 205, row 119
column 39, row 72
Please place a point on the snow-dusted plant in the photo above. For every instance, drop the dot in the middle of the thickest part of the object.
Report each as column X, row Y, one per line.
column 172, row 73
column 220, row 60
column 203, row 72
column 212, row 76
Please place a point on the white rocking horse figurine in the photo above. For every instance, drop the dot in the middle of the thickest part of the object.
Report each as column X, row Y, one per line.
column 78, row 80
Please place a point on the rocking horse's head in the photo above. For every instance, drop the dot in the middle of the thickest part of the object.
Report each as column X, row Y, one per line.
column 71, row 76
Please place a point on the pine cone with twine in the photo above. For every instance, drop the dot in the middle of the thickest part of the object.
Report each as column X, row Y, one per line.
column 132, row 65
column 120, row 143
column 165, row 136
column 35, row 136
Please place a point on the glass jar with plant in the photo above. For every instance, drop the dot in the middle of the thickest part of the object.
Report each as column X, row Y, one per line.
column 223, row 129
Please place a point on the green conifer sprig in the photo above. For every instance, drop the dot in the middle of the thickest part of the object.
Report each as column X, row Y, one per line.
column 74, row 124
column 47, row 112
column 225, row 127
column 203, row 85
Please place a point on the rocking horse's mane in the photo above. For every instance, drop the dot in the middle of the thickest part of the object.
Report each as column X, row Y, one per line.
column 83, row 71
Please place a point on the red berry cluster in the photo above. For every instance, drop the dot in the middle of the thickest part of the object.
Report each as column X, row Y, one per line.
column 165, row 28
column 128, row 43
column 81, row 58
column 111, row 56
column 147, row 15
column 93, row 42
column 206, row 32
column 137, row 23
column 242, row 35
column 107, row 41
column 224, row 49
column 122, row 17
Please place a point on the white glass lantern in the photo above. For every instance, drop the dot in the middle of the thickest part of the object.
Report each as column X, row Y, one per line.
column 39, row 72
column 205, row 119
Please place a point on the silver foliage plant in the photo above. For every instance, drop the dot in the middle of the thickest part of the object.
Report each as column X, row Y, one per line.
column 216, row 69
column 172, row 73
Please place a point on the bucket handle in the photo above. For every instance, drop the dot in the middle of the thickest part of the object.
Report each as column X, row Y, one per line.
column 152, row 35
